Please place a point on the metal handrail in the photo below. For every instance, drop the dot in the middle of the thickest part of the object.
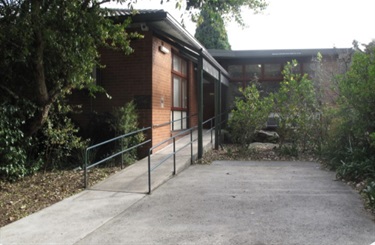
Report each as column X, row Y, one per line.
column 175, row 151
column 87, row 166
column 173, row 138
column 170, row 122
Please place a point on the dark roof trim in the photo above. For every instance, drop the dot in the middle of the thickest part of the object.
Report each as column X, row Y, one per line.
column 230, row 54
column 141, row 15
column 162, row 23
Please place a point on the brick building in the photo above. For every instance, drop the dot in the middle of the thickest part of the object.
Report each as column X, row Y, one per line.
column 170, row 76
column 265, row 66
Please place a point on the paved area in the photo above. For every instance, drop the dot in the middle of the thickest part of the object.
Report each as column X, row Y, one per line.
column 244, row 203
column 223, row 203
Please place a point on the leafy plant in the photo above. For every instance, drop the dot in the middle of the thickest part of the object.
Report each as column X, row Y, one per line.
column 350, row 143
column 250, row 114
column 126, row 121
column 370, row 193
column 14, row 145
column 298, row 113
column 58, row 139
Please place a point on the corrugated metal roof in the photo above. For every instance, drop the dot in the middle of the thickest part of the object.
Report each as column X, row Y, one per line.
column 162, row 22
column 129, row 12
column 229, row 54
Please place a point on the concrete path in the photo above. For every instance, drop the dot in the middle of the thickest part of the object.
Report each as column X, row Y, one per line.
column 223, row 203
column 72, row 219
column 244, row 203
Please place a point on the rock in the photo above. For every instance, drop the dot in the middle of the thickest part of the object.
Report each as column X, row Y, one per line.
column 266, row 136
column 226, row 137
column 263, row 146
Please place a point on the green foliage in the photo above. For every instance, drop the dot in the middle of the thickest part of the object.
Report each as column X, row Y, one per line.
column 351, row 136
column 105, row 126
column 13, row 143
column 47, row 49
column 58, row 140
column 298, row 113
column 211, row 31
column 126, row 121
column 370, row 193
column 250, row 114
column 231, row 9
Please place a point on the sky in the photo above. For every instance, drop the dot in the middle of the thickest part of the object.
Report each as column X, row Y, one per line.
column 293, row 24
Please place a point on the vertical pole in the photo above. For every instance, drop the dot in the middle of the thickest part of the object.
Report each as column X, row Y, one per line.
column 149, row 172
column 220, row 111
column 191, row 146
column 85, row 170
column 200, row 105
column 174, row 156
column 217, row 110
column 211, row 127
column 122, row 154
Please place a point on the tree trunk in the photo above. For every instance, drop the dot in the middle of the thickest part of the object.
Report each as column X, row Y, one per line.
column 42, row 97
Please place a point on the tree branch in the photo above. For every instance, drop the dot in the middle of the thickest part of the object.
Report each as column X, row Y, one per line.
column 10, row 92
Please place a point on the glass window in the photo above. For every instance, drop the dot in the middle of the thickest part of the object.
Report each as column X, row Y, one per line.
column 253, row 71
column 309, row 68
column 179, row 82
column 272, row 71
column 176, row 91
column 235, row 71
column 179, row 65
column 176, row 63
column 297, row 69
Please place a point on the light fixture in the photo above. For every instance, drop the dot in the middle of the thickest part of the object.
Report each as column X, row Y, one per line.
column 163, row 49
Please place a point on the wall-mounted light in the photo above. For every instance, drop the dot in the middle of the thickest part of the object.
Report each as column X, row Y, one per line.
column 163, row 49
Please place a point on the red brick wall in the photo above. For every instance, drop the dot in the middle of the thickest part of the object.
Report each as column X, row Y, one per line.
column 124, row 77
column 145, row 73
column 193, row 96
column 161, row 90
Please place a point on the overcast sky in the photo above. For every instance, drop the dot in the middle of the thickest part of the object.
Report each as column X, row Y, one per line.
column 295, row 24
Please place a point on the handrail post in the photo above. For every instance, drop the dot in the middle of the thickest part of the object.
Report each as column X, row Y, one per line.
column 200, row 104
column 174, row 156
column 122, row 155
column 149, row 172
column 211, row 129
column 191, row 146
column 85, row 169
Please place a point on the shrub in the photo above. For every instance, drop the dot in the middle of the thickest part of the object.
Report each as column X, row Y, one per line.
column 250, row 114
column 350, row 145
column 105, row 126
column 298, row 113
column 58, row 139
column 126, row 121
column 15, row 147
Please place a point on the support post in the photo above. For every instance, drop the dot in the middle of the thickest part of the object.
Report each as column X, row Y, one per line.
column 217, row 110
column 200, row 105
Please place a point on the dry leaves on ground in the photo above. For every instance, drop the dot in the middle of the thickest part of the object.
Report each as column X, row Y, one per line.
column 21, row 198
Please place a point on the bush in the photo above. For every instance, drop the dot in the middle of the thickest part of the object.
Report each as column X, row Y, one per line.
column 15, row 147
column 58, row 140
column 126, row 121
column 350, row 147
column 250, row 114
column 298, row 113
column 105, row 126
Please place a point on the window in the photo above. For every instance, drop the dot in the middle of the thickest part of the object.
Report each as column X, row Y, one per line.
column 235, row 71
column 253, row 71
column 179, row 85
column 272, row 71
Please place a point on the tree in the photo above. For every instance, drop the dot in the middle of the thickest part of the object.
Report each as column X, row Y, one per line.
column 47, row 49
column 230, row 9
column 211, row 31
